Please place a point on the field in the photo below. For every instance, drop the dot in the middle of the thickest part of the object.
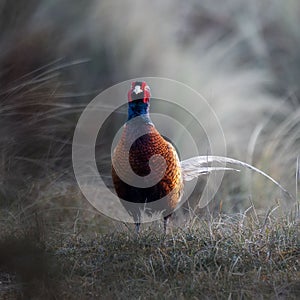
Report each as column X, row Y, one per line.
column 242, row 256
column 244, row 59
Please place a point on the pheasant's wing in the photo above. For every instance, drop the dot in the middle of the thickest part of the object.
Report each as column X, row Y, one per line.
column 195, row 166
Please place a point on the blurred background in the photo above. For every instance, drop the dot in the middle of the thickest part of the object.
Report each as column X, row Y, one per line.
column 56, row 56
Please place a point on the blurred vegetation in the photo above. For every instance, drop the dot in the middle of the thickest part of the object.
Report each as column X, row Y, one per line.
column 55, row 56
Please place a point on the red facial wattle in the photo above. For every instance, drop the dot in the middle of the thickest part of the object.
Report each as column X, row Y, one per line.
column 139, row 88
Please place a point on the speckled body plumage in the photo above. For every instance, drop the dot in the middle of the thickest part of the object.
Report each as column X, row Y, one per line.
column 140, row 153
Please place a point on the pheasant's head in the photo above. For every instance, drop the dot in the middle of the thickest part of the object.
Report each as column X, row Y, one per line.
column 139, row 91
column 138, row 99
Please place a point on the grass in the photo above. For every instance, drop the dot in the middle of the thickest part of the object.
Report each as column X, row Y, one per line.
column 218, row 258
column 242, row 256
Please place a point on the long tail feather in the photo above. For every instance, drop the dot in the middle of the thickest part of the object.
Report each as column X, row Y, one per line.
column 190, row 172
column 195, row 166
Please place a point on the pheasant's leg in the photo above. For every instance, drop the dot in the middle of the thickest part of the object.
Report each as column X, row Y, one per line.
column 166, row 220
column 137, row 228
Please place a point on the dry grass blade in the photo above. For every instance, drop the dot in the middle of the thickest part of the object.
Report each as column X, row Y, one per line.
column 297, row 176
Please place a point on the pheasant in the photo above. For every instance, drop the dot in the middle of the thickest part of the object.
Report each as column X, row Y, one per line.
column 148, row 145
column 146, row 171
